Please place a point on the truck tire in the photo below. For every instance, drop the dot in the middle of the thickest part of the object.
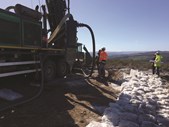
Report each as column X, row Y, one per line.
column 49, row 70
column 62, row 68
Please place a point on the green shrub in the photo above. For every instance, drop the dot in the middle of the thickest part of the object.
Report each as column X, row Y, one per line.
column 133, row 64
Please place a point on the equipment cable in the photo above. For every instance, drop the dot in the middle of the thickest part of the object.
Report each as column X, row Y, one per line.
column 34, row 97
column 93, row 43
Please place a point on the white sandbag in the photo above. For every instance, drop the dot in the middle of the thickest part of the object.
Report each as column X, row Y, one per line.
column 147, row 124
column 151, row 107
column 115, row 106
column 124, row 123
column 111, row 115
column 135, row 102
column 133, row 73
column 146, row 117
column 127, row 116
column 147, row 89
column 143, row 102
column 125, row 97
column 164, row 122
column 122, row 102
column 107, row 125
column 130, row 108
column 94, row 124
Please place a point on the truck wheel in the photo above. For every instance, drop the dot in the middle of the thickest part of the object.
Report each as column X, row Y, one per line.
column 62, row 68
column 49, row 70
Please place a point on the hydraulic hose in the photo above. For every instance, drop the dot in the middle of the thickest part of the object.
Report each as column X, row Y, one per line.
column 34, row 97
column 9, row 8
column 93, row 43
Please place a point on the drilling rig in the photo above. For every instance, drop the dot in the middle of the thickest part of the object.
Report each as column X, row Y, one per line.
column 32, row 41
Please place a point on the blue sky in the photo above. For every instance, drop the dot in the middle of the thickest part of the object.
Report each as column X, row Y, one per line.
column 119, row 25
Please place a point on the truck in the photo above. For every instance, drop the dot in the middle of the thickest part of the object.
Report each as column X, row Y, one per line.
column 32, row 41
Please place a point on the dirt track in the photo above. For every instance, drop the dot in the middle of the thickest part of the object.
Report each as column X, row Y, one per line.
column 64, row 103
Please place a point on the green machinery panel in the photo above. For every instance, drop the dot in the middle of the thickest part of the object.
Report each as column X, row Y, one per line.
column 9, row 29
column 31, row 34
column 17, row 31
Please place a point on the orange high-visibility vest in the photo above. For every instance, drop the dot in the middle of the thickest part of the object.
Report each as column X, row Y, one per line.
column 103, row 56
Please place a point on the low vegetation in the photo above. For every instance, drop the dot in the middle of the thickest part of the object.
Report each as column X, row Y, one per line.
column 137, row 61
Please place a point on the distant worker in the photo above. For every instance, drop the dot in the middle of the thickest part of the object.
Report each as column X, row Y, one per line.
column 97, row 59
column 102, row 62
column 157, row 63
column 152, row 63
column 88, row 56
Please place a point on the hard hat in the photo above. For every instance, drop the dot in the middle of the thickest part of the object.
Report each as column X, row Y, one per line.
column 157, row 53
column 103, row 48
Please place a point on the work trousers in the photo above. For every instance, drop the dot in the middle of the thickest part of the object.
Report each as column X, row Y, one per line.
column 153, row 69
column 158, row 71
column 102, row 69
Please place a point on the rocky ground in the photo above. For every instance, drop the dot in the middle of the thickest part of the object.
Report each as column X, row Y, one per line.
column 74, row 101
column 71, row 102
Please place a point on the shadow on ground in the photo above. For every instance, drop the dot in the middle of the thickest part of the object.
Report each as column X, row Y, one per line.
column 67, row 102
column 48, row 110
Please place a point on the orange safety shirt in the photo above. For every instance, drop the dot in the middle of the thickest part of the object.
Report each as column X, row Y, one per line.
column 103, row 56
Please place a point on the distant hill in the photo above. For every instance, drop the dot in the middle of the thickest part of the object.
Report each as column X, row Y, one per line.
column 137, row 55
column 135, row 60
column 122, row 54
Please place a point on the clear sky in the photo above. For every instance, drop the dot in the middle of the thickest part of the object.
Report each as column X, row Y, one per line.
column 119, row 25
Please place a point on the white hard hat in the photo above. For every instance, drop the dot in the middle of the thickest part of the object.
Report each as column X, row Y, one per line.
column 157, row 52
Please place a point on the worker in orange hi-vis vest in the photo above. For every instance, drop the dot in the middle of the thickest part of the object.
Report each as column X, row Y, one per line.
column 102, row 62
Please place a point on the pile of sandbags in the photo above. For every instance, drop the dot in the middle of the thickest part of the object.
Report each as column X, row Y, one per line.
column 143, row 102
